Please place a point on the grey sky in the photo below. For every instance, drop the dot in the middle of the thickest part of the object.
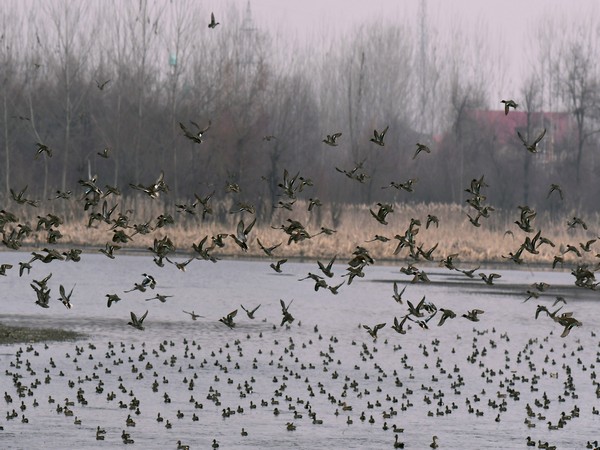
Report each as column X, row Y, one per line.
column 507, row 23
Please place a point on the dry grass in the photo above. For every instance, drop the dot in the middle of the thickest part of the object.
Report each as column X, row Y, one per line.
column 354, row 226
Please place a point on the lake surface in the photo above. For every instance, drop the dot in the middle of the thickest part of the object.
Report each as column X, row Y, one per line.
column 468, row 383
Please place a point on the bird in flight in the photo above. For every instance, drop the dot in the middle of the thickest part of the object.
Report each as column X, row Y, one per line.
column 196, row 137
column 102, row 85
column 65, row 299
column 213, row 23
column 373, row 331
column 473, row 315
column 398, row 295
column 112, row 298
column 331, row 139
column 193, row 314
column 489, row 279
column 397, row 327
column 104, row 153
column 533, row 146
column 421, row 148
column 42, row 148
column 137, row 322
column 508, row 104
column 557, row 188
column 378, row 137
column 277, row 266
column 287, row 316
column 161, row 298
column 228, row 319
column 250, row 312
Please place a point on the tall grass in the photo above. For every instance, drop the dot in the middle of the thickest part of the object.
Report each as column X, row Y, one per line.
column 354, row 226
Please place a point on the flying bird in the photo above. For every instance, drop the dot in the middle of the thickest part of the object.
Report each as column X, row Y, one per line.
column 421, row 148
column 508, row 104
column 193, row 314
column 228, row 319
column 331, row 139
column 277, row 266
column 378, row 137
column 102, row 85
column 137, row 323
column 213, row 24
column 373, row 331
column 250, row 312
column 532, row 147
column 197, row 136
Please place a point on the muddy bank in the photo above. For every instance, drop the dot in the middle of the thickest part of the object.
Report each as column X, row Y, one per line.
column 15, row 335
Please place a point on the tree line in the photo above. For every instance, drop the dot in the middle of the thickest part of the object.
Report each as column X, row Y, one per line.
column 81, row 77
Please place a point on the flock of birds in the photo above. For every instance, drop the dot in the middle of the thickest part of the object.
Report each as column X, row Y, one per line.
column 95, row 200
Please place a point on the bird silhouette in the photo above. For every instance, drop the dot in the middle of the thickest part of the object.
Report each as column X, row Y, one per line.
column 473, row 315
column 326, row 269
column 373, row 331
column 228, row 319
column 277, row 266
column 508, row 104
column 213, row 24
column 102, row 85
column 398, row 326
column 421, row 148
column 378, row 137
column 65, row 299
column 398, row 295
column 489, row 279
column 112, row 298
column 250, row 312
column 287, row 316
column 193, row 315
column 446, row 314
column 533, row 146
column 331, row 139
column 41, row 149
column 555, row 188
column 137, row 322
column 241, row 238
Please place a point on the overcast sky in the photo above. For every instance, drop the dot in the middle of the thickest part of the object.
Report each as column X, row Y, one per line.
column 508, row 21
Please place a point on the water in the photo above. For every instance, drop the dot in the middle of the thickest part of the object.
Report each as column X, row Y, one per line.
column 437, row 370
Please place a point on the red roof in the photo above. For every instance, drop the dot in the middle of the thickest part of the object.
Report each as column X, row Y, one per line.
column 557, row 124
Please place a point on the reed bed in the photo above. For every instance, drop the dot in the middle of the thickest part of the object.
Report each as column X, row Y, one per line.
column 354, row 226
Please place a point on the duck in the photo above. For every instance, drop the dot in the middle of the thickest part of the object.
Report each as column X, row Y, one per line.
column 373, row 331
column 331, row 139
column 250, row 312
column 532, row 147
column 195, row 137
column 508, row 104
column 212, row 25
column 228, row 319
column 473, row 315
column 398, row 295
column 421, row 148
column 378, row 137
column 137, row 323
column 434, row 443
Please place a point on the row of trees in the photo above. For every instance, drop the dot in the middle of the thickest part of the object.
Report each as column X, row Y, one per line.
column 81, row 76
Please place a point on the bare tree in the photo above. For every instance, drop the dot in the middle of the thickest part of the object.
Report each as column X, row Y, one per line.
column 70, row 43
column 579, row 81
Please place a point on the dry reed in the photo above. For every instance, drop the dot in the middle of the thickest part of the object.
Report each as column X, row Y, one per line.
column 354, row 226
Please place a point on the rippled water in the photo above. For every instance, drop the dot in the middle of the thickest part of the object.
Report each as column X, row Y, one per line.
column 423, row 379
